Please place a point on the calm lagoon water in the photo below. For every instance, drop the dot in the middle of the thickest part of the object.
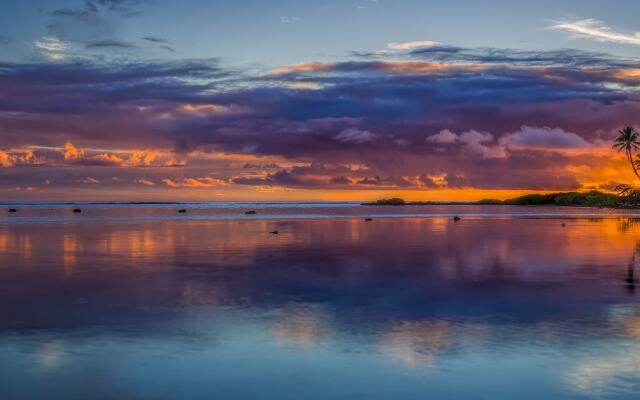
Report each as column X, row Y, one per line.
column 140, row 302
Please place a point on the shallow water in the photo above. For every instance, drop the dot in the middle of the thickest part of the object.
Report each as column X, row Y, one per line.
column 137, row 302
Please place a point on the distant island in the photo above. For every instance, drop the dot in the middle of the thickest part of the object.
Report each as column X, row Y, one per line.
column 592, row 198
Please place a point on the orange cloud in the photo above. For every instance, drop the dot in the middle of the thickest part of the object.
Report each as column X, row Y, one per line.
column 142, row 158
column 627, row 73
column 12, row 157
column 134, row 158
column 5, row 159
column 422, row 67
column 108, row 159
column 71, row 152
column 313, row 66
column 194, row 182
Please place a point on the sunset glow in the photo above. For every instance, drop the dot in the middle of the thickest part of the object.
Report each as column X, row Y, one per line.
column 81, row 112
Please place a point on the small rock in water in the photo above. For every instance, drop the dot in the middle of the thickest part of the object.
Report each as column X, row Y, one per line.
column 250, row 212
column 563, row 225
column 456, row 219
column 77, row 210
column 368, row 219
column 274, row 232
column 13, row 210
column 182, row 211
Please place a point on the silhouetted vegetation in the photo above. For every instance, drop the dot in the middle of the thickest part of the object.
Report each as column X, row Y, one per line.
column 629, row 198
column 395, row 201
column 490, row 202
column 629, row 140
column 577, row 199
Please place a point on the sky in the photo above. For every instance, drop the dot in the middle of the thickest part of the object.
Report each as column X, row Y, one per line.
column 313, row 100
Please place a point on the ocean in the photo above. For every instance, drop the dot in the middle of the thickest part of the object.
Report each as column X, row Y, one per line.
column 139, row 301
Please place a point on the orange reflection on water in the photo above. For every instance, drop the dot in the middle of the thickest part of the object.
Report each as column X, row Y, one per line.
column 70, row 249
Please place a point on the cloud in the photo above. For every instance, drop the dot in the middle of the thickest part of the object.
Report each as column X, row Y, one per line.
column 289, row 19
column 522, row 58
column 111, row 44
column 354, row 135
column 144, row 182
column 445, row 136
column 596, row 30
column 52, row 48
column 154, row 39
column 71, row 152
column 472, row 141
column 194, row 182
column 411, row 45
column 93, row 26
column 432, row 117
column 5, row 159
column 544, row 138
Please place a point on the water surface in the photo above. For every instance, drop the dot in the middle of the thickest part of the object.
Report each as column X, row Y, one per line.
column 138, row 302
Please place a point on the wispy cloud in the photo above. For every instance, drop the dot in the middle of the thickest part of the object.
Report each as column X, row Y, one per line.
column 52, row 48
column 144, row 182
column 596, row 30
column 289, row 19
column 155, row 39
column 412, row 45
column 109, row 44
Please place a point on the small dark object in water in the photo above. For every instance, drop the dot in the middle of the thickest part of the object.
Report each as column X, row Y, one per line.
column 456, row 219
column 77, row 210
column 274, row 232
column 182, row 211
column 368, row 219
column 13, row 210
column 563, row 225
column 250, row 212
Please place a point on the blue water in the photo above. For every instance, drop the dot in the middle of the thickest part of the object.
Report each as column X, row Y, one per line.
column 138, row 302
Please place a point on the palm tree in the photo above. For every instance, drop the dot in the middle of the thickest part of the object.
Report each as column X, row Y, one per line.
column 628, row 140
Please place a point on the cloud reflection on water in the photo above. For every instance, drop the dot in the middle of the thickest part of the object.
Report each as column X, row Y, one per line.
column 419, row 295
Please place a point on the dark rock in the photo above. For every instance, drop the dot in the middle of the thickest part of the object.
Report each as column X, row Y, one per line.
column 563, row 225
column 274, row 232
column 182, row 211
column 368, row 219
column 250, row 212
column 456, row 219
column 77, row 210
column 13, row 210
